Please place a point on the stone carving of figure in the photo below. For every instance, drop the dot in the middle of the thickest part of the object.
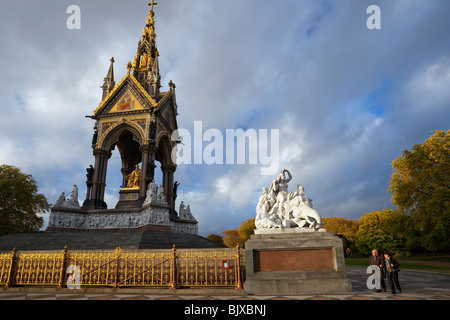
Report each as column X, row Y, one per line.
column 188, row 213
column 134, row 178
column 95, row 136
column 160, row 196
column 182, row 210
column 73, row 200
column 280, row 183
column 61, row 200
column 279, row 188
column 301, row 195
column 90, row 173
column 185, row 212
column 144, row 59
column 175, row 188
column 151, row 193
column 277, row 208
column 265, row 218
column 152, row 130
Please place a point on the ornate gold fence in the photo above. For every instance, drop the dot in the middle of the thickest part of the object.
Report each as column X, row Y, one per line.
column 5, row 266
column 209, row 268
column 123, row 268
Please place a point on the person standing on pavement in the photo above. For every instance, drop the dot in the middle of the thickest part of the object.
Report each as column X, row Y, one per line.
column 376, row 260
column 391, row 271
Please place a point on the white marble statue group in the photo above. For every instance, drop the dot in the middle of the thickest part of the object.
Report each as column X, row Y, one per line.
column 278, row 208
column 155, row 194
column 70, row 200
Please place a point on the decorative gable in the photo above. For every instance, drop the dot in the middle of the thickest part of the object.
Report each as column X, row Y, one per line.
column 127, row 95
column 127, row 102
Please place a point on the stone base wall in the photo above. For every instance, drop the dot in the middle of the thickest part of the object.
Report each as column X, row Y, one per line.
column 153, row 228
column 148, row 218
column 295, row 263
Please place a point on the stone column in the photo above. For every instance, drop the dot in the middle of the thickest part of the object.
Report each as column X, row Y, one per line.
column 95, row 183
column 99, row 181
column 103, row 180
column 147, row 170
column 168, row 172
column 124, row 174
column 144, row 171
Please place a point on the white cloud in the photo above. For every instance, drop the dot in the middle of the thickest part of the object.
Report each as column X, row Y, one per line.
column 428, row 89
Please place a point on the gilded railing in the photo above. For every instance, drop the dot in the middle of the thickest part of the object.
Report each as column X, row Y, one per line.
column 208, row 268
column 122, row 268
column 5, row 267
column 38, row 268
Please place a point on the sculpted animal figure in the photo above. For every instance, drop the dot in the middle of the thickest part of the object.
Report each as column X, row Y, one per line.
column 303, row 214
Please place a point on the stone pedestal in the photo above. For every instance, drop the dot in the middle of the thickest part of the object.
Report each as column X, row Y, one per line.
column 295, row 263
column 129, row 198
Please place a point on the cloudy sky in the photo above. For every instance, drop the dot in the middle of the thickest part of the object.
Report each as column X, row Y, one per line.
column 346, row 100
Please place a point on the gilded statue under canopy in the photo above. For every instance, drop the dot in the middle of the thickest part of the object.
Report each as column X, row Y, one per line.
column 134, row 178
column 144, row 59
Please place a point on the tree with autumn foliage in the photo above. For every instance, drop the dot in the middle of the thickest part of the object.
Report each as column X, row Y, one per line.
column 215, row 238
column 231, row 238
column 385, row 230
column 343, row 228
column 420, row 188
column 234, row 237
column 20, row 202
column 246, row 229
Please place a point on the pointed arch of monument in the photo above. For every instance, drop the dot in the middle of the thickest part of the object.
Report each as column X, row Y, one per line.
column 111, row 136
column 164, row 147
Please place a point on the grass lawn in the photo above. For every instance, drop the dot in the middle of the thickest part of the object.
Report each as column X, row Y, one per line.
column 430, row 263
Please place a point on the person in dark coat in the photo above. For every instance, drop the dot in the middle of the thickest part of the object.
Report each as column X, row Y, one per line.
column 391, row 271
column 377, row 260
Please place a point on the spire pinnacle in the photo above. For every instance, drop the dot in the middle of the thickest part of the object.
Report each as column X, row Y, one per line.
column 109, row 83
column 152, row 4
column 145, row 64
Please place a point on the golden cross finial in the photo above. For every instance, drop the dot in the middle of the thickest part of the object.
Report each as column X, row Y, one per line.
column 152, row 4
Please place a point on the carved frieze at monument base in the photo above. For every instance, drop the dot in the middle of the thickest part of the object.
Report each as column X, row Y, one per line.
column 153, row 215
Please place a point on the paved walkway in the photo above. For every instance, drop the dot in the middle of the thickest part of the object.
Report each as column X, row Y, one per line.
column 416, row 285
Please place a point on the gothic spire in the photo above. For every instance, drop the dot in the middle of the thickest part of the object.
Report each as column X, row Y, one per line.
column 108, row 82
column 145, row 63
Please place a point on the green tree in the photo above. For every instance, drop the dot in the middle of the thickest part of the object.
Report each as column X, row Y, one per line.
column 385, row 230
column 420, row 187
column 20, row 203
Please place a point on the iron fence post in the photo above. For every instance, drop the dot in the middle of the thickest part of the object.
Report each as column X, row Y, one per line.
column 174, row 282
column 238, row 267
column 9, row 282
column 116, row 271
column 62, row 274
